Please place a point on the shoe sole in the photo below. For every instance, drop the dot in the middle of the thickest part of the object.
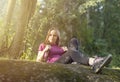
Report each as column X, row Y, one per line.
column 105, row 62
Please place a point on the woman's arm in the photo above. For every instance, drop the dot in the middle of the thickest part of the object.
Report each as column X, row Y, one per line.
column 40, row 57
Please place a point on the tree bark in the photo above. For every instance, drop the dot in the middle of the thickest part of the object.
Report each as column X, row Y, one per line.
column 27, row 9
column 7, row 22
column 30, row 71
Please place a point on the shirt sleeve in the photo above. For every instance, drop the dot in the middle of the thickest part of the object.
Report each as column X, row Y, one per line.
column 41, row 47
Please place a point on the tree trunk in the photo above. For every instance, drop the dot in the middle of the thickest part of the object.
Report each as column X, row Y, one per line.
column 7, row 22
column 29, row 71
column 27, row 9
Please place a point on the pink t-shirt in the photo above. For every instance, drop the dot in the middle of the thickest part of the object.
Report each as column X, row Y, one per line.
column 54, row 53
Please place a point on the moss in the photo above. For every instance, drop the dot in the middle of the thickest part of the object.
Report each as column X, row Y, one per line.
column 113, row 74
column 63, row 73
column 31, row 71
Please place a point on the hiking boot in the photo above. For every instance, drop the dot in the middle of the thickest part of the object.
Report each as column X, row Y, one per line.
column 100, row 63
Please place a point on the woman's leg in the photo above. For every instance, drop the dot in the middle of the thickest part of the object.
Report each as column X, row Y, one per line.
column 73, row 56
column 65, row 58
column 79, row 58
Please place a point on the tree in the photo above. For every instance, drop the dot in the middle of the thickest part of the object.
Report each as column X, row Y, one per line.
column 29, row 71
column 7, row 23
column 27, row 9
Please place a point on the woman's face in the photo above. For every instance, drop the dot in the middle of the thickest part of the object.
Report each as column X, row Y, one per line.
column 53, row 37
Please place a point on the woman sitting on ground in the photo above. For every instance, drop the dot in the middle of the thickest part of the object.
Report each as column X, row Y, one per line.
column 49, row 50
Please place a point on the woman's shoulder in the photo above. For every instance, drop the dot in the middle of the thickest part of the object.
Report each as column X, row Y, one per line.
column 41, row 46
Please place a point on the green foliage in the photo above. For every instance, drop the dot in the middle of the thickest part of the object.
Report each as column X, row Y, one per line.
column 106, row 22
column 90, row 3
column 116, row 60
column 113, row 16
column 100, row 47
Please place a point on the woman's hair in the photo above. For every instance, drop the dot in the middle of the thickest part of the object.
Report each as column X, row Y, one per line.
column 58, row 36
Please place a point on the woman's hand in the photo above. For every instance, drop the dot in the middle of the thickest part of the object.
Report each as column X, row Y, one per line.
column 40, row 57
column 47, row 48
column 64, row 48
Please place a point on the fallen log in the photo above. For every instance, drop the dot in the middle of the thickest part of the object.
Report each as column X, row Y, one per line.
column 31, row 71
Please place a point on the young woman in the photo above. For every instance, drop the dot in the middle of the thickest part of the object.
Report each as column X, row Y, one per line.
column 49, row 50
column 74, row 55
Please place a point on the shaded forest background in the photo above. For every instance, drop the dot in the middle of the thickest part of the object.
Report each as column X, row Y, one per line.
column 24, row 24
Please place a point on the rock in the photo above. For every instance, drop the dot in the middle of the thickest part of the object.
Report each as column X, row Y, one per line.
column 31, row 71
